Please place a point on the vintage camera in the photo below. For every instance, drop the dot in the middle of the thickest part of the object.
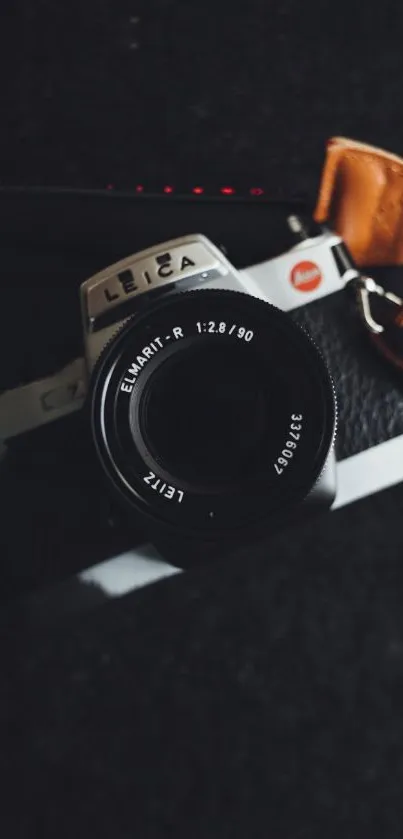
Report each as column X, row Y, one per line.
column 212, row 413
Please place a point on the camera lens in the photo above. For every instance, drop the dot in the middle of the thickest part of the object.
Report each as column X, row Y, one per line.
column 211, row 412
column 212, row 426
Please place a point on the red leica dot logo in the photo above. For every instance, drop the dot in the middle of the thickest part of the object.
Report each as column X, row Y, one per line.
column 306, row 276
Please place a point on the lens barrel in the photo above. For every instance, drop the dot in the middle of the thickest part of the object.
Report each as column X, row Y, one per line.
column 211, row 413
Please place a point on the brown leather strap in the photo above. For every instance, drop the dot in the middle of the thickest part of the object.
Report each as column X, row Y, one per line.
column 361, row 198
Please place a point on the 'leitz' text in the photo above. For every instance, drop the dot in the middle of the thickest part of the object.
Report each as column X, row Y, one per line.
column 291, row 444
column 166, row 490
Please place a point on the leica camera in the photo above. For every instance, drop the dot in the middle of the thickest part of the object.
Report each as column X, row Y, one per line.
column 212, row 413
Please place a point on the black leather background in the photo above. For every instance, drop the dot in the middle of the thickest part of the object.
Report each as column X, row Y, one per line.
column 369, row 390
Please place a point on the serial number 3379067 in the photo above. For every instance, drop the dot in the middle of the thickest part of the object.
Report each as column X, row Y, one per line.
column 291, row 444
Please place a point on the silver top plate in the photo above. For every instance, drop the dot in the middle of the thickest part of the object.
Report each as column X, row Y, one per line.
column 159, row 266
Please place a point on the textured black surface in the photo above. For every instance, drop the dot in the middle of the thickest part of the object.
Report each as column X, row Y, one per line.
column 257, row 698
column 93, row 97
column 261, row 698
column 56, row 514
column 369, row 390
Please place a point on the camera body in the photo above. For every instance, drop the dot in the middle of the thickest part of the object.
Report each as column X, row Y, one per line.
column 112, row 302
column 50, row 468
column 245, row 440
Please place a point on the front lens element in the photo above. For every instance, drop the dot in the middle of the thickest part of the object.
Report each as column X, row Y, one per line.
column 205, row 412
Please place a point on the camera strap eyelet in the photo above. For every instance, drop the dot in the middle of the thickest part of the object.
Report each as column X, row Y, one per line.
column 382, row 314
column 365, row 288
